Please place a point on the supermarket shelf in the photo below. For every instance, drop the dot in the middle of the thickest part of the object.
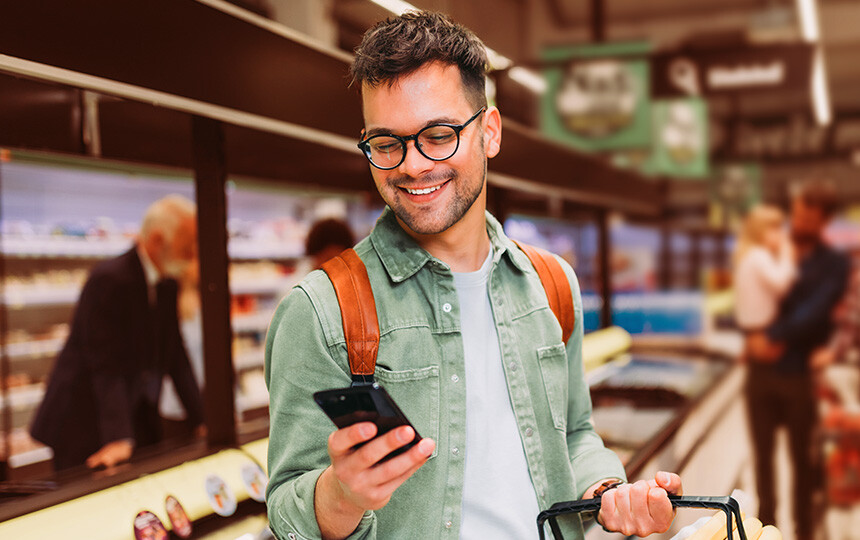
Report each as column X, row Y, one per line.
column 24, row 397
column 53, row 247
column 34, row 349
column 279, row 285
column 63, row 246
column 255, row 322
column 250, row 359
column 249, row 249
column 20, row 297
column 247, row 402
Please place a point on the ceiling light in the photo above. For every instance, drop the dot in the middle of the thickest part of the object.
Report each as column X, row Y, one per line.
column 820, row 92
column 807, row 11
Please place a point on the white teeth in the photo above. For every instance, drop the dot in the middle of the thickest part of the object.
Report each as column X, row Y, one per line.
column 422, row 191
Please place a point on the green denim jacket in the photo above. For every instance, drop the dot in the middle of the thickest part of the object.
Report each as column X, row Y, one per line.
column 421, row 364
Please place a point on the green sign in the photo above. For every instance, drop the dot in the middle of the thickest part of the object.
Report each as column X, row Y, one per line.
column 680, row 138
column 735, row 188
column 598, row 96
column 678, row 146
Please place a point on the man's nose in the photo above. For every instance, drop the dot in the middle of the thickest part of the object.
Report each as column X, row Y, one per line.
column 414, row 163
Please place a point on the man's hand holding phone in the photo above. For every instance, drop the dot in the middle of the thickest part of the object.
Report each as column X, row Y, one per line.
column 356, row 481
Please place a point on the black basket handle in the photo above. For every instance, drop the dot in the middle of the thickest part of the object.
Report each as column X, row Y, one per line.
column 592, row 506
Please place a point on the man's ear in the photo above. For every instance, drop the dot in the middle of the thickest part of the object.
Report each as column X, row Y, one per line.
column 492, row 132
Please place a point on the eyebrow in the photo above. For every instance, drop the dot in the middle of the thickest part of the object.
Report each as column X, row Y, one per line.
column 386, row 131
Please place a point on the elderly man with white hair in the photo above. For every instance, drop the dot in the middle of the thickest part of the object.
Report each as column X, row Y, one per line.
column 102, row 398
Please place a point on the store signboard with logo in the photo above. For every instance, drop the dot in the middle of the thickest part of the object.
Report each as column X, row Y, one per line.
column 731, row 70
column 680, row 144
column 598, row 97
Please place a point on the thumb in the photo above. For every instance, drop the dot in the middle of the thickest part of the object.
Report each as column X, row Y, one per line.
column 670, row 482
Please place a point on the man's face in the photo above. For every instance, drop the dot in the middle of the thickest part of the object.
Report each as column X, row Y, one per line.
column 807, row 222
column 433, row 94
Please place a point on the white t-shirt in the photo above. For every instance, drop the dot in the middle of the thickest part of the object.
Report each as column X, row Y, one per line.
column 499, row 499
column 761, row 281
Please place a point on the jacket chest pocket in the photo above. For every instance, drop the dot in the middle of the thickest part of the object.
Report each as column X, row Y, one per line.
column 416, row 392
column 553, row 369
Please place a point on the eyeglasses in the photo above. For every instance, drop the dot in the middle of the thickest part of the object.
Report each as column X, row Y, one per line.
column 437, row 142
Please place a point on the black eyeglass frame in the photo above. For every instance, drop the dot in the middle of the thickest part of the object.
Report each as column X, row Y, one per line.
column 364, row 145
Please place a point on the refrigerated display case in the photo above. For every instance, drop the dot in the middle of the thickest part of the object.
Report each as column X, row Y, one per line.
column 62, row 216
column 672, row 409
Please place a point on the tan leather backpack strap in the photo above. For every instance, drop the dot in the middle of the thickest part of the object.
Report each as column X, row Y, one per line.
column 556, row 285
column 348, row 275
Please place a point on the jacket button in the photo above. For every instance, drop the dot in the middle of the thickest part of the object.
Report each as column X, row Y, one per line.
column 446, row 307
column 449, row 524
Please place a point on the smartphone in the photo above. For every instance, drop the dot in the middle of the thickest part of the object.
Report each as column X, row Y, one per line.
column 366, row 403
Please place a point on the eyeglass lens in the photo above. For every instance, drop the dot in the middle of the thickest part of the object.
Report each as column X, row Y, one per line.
column 435, row 142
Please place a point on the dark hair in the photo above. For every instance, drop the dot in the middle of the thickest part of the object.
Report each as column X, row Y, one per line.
column 400, row 45
column 327, row 233
column 818, row 193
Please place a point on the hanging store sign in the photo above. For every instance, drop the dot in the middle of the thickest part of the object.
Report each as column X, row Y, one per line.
column 735, row 188
column 680, row 138
column 679, row 144
column 794, row 137
column 598, row 96
column 742, row 69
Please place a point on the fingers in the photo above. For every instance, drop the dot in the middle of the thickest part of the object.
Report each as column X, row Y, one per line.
column 95, row 460
column 408, row 464
column 670, row 482
column 402, row 465
column 660, row 509
column 372, row 452
column 343, row 440
column 364, row 481
column 638, row 509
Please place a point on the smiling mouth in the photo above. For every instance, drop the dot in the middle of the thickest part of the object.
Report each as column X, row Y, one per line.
column 424, row 191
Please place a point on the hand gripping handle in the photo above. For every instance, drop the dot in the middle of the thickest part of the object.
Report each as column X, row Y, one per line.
column 592, row 506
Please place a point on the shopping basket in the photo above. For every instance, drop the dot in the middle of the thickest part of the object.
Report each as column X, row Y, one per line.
column 592, row 506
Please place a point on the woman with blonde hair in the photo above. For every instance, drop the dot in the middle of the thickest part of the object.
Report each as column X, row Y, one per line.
column 764, row 268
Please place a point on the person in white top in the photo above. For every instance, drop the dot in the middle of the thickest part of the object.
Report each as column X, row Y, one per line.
column 765, row 268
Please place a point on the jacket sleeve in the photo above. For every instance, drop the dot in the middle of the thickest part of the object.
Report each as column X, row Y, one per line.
column 590, row 459
column 804, row 322
column 299, row 362
column 103, row 342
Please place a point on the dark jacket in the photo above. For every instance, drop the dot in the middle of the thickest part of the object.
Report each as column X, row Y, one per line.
column 106, row 383
column 805, row 321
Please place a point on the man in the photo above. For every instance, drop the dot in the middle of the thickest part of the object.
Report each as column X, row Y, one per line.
column 469, row 348
column 779, row 388
column 102, row 398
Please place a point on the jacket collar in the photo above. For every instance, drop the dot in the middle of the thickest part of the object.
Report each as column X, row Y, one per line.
column 402, row 257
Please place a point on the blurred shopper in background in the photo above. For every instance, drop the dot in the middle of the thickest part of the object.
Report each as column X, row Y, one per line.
column 327, row 239
column 764, row 269
column 102, row 399
column 779, row 388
